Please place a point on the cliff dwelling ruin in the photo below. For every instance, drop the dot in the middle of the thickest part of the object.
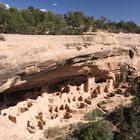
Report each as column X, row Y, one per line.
column 51, row 87
column 61, row 98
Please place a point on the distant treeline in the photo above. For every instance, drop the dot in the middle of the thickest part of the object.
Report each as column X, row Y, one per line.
column 35, row 21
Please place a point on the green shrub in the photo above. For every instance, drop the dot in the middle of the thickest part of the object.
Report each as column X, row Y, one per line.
column 59, row 138
column 124, row 136
column 52, row 132
column 100, row 130
column 105, row 102
column 92, row 115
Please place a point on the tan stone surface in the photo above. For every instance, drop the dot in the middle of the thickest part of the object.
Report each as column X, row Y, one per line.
column 24, row 55
column 9, row 131
column 57, row 82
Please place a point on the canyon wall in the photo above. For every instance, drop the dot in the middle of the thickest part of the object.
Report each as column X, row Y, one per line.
column 47, row 81
column 28, row 61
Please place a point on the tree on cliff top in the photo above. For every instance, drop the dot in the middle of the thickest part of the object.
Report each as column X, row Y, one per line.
column 35, row 21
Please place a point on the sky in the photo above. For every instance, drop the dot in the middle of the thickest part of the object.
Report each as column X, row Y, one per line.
column 115, row 10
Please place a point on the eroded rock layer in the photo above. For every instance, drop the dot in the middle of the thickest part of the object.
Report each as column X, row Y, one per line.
column 48, row 80
column 28, row 61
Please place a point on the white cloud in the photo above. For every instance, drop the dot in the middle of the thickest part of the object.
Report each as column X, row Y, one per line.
column 7, row 6
column 43, row 10
column 55, row 4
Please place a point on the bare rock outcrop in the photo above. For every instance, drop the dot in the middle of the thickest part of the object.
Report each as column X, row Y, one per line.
column 49, row 79
column 28, row 61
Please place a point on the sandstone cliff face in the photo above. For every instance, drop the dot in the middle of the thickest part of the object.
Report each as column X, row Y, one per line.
column 55, row 80
column 29, row 61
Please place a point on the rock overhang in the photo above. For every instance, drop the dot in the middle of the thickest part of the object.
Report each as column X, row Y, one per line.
column 33, row 60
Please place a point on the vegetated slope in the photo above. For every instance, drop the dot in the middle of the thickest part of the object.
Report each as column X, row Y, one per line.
column 35, row 21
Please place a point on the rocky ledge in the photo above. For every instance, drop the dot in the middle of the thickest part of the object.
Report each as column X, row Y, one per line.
column 28, row 61
column 54, row 80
